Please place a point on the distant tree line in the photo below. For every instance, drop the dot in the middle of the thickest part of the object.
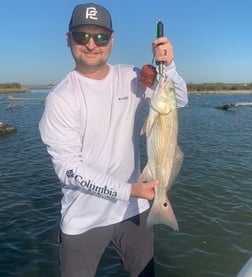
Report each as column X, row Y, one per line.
column 219, row 86
column 48, row 86
column 190, row 86
column 10, row 85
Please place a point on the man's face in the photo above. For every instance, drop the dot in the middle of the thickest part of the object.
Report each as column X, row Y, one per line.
column 90, row 45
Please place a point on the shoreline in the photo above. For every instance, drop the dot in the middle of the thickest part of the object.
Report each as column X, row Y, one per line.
column 220, row 92
column 14, row 90
column 26, row 89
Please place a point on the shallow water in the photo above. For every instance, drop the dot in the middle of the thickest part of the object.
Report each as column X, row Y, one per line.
column 211, row 198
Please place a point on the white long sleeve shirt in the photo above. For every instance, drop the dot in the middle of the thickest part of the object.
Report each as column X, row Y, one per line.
column 92, row 129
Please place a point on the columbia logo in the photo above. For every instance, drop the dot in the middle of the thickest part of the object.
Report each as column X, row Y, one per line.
column 123, row 98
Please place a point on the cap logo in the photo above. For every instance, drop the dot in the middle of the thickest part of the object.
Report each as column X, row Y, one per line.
column 91, row 13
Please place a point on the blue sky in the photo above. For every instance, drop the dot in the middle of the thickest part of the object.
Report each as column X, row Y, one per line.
column 212, row 38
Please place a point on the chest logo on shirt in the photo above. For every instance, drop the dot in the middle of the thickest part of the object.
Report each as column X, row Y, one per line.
column 123, row 98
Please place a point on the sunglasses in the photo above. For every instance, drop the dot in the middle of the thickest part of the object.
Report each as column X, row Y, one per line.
column 83, row 38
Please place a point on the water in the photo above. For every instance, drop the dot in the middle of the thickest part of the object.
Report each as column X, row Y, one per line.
column 211, row 198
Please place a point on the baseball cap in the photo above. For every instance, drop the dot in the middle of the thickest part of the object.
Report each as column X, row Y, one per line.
column 91, row 14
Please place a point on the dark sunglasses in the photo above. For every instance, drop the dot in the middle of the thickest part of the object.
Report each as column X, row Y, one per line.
column 83, row 38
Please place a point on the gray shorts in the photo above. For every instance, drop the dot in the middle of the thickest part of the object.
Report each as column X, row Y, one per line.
column 132, row 240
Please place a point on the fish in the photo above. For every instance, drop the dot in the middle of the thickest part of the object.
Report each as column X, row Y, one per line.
column 164, row 156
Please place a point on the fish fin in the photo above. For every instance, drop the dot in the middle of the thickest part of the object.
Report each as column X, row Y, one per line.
column 151, row 125
column 143, row 129
column 146, row 175
column 148, row 126
column 179, row 157
column 162, row 213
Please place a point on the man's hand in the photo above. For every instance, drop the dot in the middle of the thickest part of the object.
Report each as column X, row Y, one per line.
column 144, row 190
column 162, row 50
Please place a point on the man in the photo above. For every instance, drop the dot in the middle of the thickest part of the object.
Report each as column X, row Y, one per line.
column 91, row 126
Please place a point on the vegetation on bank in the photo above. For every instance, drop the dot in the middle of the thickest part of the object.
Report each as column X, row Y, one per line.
column 219, row 87
column 12, row 87
column 49, row 86
column 202, row 87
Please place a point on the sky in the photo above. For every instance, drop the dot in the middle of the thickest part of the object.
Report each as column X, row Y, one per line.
column 212, row 39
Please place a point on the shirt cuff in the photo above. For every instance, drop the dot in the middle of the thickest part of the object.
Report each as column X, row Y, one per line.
column 124, row 190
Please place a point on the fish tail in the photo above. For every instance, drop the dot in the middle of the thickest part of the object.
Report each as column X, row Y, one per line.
column 162, row 213
column 146, row 175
